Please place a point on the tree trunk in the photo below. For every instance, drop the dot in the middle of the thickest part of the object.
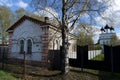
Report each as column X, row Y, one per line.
column 65, row 62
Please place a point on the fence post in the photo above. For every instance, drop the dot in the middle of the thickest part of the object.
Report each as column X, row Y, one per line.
column 61, row 57
column 112, row 65
column 82, row 59
column 3, row 57
column 24, row 65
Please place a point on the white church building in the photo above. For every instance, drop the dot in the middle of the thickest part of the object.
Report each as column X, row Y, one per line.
column 106, row 35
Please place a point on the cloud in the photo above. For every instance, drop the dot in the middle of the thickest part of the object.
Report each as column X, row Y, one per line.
column 100, row 21
column 96, row 30
column 8, row 3
column 96, row 33
column 2, row 2
column 111, row 16
column 116, row 5
column 11, row 3
column 47, row 12
column 118, row 35
column 22, row 4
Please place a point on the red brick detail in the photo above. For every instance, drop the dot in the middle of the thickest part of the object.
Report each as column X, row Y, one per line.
column 45, row 42
column 44, row 36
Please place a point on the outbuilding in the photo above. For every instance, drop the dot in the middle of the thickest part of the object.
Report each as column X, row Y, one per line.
column 35, row 38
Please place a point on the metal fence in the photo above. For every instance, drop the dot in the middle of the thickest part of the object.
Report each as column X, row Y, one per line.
column 110, row 61
column 3, row 52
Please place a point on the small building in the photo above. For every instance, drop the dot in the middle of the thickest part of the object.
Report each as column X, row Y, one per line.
column 106, row 35
column 35, row 38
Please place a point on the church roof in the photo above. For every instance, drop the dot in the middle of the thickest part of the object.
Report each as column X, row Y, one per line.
column 102, row 29
column 106, row 27
column 111, row 28
column 22, row 19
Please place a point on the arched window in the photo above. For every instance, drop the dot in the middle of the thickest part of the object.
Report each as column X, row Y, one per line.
column 53, row 44
column 57, row 45
column 21, row 46
column 29, row 46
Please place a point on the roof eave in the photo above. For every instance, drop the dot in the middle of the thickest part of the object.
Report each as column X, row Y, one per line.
column 9, row 31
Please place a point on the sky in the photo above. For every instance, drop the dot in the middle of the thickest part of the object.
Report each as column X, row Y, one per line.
column 15, row 4
column 111, row 15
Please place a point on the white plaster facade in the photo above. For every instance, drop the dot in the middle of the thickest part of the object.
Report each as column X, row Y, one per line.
column 28, row 28
column 105, row 38
column 56, row 42
column 106, row 35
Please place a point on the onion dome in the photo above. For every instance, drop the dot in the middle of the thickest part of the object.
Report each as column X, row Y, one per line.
column 111, row 28
column 102, row 29
column 107, row 27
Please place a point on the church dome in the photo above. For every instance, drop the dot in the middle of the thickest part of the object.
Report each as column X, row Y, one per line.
column 107, row 27
column 102, row 29
column 111, row 28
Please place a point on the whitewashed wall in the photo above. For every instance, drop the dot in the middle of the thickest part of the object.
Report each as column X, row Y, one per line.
column 27, row 30
column 72, row 49
column 56, row 36
column 55, row 40
column 105, row 38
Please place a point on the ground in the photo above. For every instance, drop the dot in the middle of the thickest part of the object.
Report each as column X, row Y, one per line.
column 36, row 73
column 6, row 76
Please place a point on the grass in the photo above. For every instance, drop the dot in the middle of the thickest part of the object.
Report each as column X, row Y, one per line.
column 36, row 73
column 6, row 76
column 104, row 75
column 99, row 57
column 109, row 75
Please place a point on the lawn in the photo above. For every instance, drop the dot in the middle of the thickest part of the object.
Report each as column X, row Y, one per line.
column 104, row 75
column 99, row 57
column 6, row 76
column 36, row 73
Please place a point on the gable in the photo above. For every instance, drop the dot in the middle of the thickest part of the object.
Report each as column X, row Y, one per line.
column 41, row 23
column 26, row 29
column 21, row 20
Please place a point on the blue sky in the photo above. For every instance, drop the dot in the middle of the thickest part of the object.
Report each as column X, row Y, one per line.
column 15, row 4
column 111, row 15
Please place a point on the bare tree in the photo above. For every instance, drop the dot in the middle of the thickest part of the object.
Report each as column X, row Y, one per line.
column 70, row 12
